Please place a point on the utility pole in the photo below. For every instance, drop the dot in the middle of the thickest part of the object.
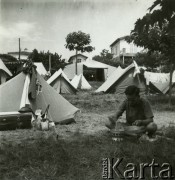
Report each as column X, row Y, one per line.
column 50, row 63
column 19, row 50
column 76, row 69
column 123, row 59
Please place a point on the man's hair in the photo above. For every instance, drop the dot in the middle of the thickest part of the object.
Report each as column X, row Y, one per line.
column 132, row 90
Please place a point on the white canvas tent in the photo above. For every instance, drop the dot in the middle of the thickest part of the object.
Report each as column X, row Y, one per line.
column 4, row 72
column 158, row 82
column 40, row 68
column 61, row 83
column 122, row 78
column 34, row 91
column 79, row 82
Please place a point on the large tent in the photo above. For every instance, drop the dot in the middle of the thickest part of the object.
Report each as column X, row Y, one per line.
column 40, row 68
column 79, row 82
column 101, row 68
column 4, row 72
column 33, row 91
column 61, row 83
column 122, row 78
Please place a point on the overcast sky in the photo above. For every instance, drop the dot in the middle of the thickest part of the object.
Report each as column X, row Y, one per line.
column 44, row 24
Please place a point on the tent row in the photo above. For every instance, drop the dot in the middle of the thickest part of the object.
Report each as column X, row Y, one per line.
column 116, row 79
column 116, row 82
column 132, row 75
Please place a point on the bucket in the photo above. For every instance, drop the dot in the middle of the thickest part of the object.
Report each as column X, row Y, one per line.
column 45, row 126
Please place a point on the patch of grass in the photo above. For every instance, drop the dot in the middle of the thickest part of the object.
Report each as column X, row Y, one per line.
column 160, row 102
column 90, row 102
column 79, row 159
column 93, row 102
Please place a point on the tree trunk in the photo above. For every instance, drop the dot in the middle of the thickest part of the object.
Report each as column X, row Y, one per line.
column 76, row 72
column 170, row 89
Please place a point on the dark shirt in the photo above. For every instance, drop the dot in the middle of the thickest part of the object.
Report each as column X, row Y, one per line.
column 138, row 111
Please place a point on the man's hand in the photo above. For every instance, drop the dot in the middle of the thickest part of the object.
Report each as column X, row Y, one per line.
column 137, row 123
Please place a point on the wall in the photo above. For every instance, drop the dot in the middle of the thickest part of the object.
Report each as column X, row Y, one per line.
column 122, row 45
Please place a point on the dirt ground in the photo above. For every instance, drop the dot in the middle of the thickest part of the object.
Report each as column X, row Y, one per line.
column 87, row 123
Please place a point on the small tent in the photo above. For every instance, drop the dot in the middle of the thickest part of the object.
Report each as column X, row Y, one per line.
column 33, row 91
column 122, row 78
column 79, row 82
column 4, row 72
column 61, row 83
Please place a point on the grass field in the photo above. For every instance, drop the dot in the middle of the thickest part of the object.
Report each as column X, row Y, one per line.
column 76, row 151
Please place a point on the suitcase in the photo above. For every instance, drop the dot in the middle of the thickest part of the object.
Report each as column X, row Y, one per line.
column 15, row 120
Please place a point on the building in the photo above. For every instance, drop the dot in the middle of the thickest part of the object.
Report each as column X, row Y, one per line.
column 23, row 55
column 122, row 49
column 80, row 58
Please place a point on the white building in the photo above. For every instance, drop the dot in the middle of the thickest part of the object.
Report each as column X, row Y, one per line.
column 121, row 48
column 23, row 55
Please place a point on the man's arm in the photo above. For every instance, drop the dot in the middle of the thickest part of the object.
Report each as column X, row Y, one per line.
column 144, row 122
column 148, row 115
column 121, row 109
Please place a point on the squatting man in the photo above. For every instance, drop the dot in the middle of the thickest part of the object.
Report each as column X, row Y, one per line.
column 138, row 111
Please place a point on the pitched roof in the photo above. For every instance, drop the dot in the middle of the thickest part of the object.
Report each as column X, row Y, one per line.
column 94, row 64
column 77, row 55
column 117, row 40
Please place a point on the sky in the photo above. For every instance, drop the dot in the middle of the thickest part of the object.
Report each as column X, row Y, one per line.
column 44, row 24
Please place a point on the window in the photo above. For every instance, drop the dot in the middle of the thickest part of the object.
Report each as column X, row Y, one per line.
column 78, row 60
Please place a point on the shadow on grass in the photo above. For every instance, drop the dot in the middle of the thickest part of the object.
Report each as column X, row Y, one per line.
column 80, row 158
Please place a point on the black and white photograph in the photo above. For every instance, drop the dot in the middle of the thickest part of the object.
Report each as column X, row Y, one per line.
column 87, row 89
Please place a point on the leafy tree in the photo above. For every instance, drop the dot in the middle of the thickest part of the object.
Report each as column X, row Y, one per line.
column 105, row 57
column 156, row 32
column 78, row 41
column 150, row 60
column 56, row 60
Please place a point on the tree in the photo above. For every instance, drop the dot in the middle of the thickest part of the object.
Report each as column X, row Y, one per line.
column 151, row 61
column 107, row 58
column 78, row 41
column 56, row 59
column 156, row 32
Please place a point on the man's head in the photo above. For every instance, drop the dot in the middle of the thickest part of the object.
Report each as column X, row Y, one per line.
column 132, row 94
